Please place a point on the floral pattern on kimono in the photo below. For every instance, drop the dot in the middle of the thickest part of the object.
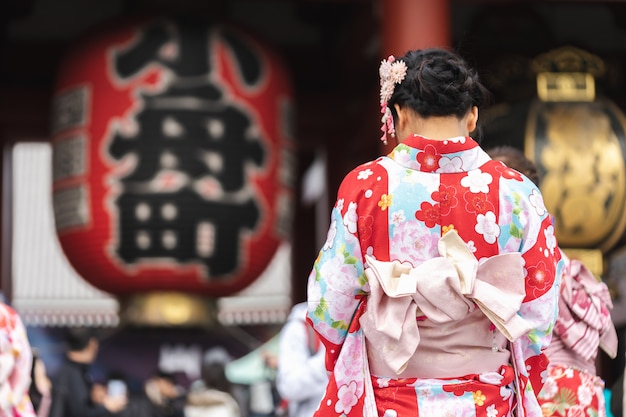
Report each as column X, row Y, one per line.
column 570, row 392
column 15, row 366
column 396, row 208
column 582, row 327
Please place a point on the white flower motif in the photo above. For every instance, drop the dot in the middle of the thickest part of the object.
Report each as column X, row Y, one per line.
column 425, row 392
column 386, row 91
column 390, row 413
column 471, row 246
column 402, row 156
column 457, row 139
column 397, row 217
column 550, row 238
column 585, row 395
column 383, row 382
column 330, row 236
column 447, row 165
column 491, row 411
column 549, row 390
column 486, row 225
column 477, row 181
column 364, row 174
column 569, row 373
column 505, row 393
column 340, row 205
column 536, row 200
column 351, row 217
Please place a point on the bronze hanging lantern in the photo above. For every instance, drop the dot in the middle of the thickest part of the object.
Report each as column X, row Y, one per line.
column 578, row 141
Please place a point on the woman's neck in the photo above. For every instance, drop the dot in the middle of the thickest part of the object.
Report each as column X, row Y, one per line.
column 439, row 128
column 434, row 127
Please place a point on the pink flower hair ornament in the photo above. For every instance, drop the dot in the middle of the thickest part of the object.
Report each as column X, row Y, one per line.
column 391, row 72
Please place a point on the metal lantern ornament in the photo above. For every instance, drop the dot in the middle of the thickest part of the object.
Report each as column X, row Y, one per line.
column 172, row 159
column 578, row 142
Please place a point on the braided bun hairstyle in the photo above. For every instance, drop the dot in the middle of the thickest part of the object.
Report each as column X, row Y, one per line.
column 437, row 83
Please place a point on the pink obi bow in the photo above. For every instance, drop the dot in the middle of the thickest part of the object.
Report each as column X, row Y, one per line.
column 584, row 320
column 443, row 289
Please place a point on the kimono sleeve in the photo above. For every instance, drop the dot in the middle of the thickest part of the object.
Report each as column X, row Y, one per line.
column 16, row 360
column 543, row 266
column 337, row 281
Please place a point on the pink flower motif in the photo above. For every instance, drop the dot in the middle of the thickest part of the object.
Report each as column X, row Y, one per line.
column 329, row 333
column 346, row 398
column 506, row 211
column 337, row 272
column 576, row 411
column 352, row 362
column 391, row 72
column 413, row 242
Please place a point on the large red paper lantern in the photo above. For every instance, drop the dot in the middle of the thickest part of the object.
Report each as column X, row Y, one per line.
column 172, row 156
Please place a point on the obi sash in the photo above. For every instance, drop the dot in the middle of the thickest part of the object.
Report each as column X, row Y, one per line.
column 444, row 289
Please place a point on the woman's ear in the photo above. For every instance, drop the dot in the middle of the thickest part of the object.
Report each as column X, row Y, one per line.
column 401, row 113
column 472, row 119
column 402, row 119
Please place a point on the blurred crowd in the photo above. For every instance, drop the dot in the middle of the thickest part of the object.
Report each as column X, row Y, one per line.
column 72, row 392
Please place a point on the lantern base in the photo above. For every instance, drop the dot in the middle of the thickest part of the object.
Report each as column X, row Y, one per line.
column 168, row 309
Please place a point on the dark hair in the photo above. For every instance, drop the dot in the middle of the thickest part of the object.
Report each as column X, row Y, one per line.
column 168, row 376
column 77, row 338
column 515, row 158
column 33, row 391
column 438, row 83
column 214, row 376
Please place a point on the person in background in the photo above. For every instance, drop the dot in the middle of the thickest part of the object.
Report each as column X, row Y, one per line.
column 72, row 384
column 15, row 365
column 264, row 400
column 301, row 377
column 412, row 322
column 98, row 392
column 583, row 326
column 157, row 396
column 213, row 395
column 166, row 396
column 40, row 387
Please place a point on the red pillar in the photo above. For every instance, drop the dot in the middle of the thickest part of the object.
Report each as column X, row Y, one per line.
column 413, row 24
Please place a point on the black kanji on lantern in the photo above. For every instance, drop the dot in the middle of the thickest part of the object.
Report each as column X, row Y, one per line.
column 185, row 227
column 191, row 132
